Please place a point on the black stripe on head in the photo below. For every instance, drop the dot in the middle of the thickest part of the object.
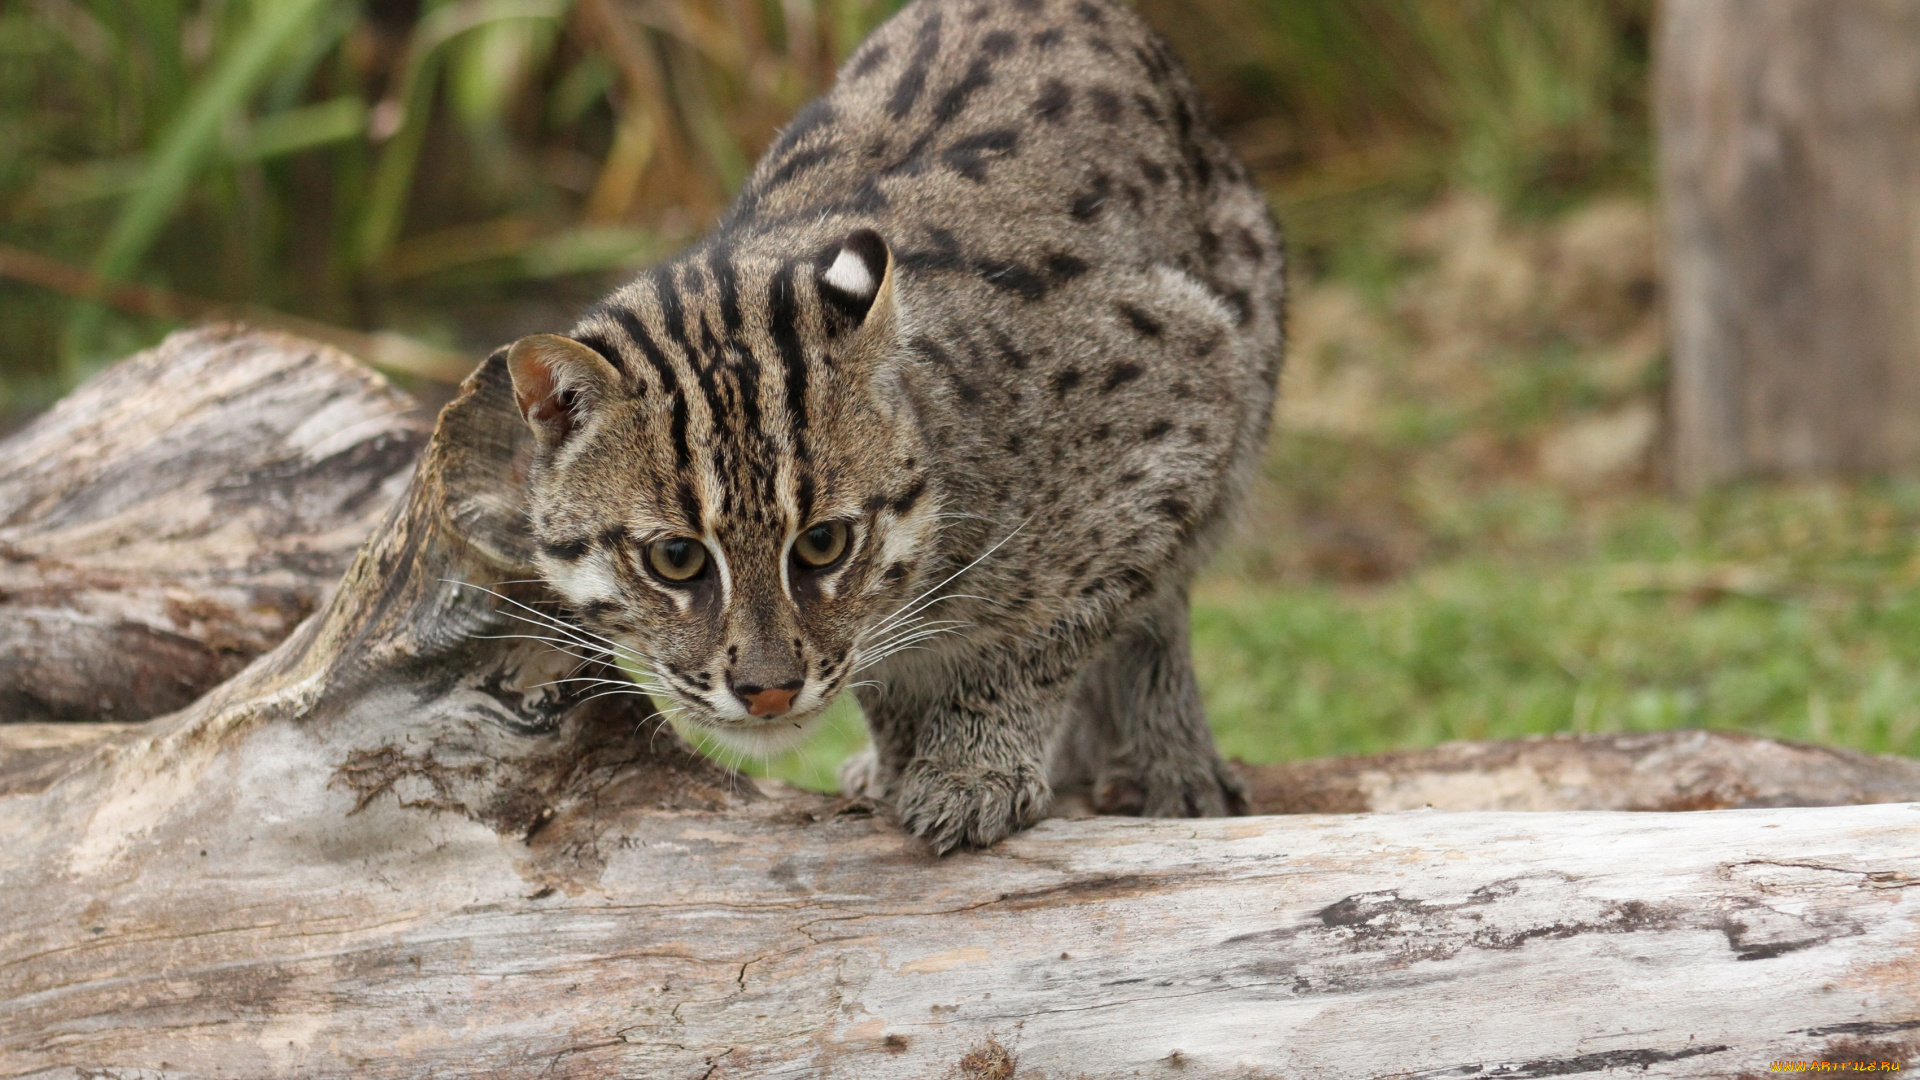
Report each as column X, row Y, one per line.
column 783, row 318
column 727, row 283
column 669, row 382
column 690, row 507
column 607, row 351
column 567, row 550
column 803, row 497
column 673, row 312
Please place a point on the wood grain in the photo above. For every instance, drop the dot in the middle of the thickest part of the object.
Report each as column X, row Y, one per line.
column 177, row 515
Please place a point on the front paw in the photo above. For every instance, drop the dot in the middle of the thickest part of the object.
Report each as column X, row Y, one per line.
column 949, row 806
column 1162, row 789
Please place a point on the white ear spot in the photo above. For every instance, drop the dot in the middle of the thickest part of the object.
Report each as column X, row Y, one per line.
column 849, row 274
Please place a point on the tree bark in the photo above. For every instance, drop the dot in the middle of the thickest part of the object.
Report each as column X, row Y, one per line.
column 1789, row 136
column 175, row 517
column 395, row 846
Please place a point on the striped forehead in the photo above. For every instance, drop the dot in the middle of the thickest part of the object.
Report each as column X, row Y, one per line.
column 719, row 345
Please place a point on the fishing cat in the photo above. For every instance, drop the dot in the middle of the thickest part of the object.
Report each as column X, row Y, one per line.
column 947, row 410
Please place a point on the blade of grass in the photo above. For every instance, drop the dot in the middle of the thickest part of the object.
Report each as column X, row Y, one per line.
column 194, row 135
column 393, row 176
column 304, row 128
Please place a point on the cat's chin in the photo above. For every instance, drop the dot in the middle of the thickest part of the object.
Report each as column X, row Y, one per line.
column 762, row 740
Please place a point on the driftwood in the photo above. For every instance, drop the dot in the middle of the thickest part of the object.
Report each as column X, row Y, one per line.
column 175, row 517
column 387, row 848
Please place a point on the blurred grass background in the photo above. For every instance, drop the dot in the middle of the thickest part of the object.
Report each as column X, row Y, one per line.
column 1461, row 530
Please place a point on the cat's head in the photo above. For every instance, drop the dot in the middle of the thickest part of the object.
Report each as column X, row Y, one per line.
column 731, row 482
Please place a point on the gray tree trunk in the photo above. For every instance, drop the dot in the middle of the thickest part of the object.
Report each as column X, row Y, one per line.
column 1789, row 138
column 395, row 846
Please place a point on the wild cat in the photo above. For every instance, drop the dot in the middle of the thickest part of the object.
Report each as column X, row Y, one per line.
column 947, row 410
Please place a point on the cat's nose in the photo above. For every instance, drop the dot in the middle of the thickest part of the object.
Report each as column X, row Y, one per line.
column 768, row 700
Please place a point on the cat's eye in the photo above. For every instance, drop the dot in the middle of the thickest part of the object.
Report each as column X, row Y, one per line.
column 822, row 545
column 678, row 559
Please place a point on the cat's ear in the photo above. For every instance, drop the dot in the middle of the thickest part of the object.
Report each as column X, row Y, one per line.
column 857, row 280
column 557, row 382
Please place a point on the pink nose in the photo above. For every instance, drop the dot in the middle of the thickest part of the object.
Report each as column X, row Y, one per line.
column 769, row 702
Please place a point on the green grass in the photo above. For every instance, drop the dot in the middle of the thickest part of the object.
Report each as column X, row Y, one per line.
column 1791, row 612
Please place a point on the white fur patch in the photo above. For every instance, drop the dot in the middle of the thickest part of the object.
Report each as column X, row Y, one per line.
column 589, row 579
column 849, row 274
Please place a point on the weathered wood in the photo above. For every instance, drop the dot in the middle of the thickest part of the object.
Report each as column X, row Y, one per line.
column 1653, row 770
column 392, row 847
column 176, row 516
column 1789, row 139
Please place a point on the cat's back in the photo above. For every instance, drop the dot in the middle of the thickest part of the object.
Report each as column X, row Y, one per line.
column 1092, row 281
column 1063, row 128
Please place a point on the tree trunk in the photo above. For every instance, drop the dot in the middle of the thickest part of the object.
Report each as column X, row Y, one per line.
column 175, row 517
column 395, row 846
column 1789, row 137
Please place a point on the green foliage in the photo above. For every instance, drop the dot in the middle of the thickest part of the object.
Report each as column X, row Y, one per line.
column 449, row 167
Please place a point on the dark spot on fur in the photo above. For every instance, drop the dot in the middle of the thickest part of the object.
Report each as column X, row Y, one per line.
column 1015, row 444
column 1153, row 171
column 1055, row 101
column 896, row 572
column 1241, row 303
column 1156, row 430
column 1014, row 278
column 969, row 156
column 1104, row 431
column 1148, row 109
column 1174, row 507
column 1086, row 205
column 1090, row 14
column 1065, row 380
column 998, row 44
column 1047, row 39
column 1010, row 354
column 1064, row 267
column 1132, row 476
column 1106, row 104
column 1143, row 324
column 904, row 501
column 977, row 78
column 1119, row 375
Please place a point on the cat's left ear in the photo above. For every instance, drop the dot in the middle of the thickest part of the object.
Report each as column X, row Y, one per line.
column 557, row 382
column 857, row 282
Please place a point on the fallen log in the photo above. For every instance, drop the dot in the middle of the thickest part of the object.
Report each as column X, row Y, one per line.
column 394, row 847
column 177, row 516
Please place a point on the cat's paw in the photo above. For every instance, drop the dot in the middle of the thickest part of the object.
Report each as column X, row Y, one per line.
column 1200, row 789
column 860, row 777
column 973, row 806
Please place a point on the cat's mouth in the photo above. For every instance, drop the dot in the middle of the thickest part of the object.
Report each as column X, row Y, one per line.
column 760, row 737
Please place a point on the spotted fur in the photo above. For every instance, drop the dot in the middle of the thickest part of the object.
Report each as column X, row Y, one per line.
column 1004, row 305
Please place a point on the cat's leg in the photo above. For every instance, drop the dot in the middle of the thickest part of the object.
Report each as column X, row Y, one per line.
column 978, row 771
column 892, row 721
column 1141, row 737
